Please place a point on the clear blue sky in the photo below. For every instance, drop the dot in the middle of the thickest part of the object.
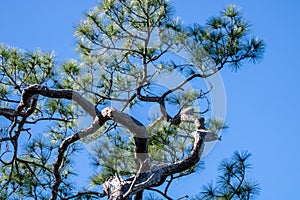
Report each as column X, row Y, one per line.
column 262, row 100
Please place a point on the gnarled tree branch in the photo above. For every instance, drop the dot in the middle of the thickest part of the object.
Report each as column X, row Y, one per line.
column 118, row 188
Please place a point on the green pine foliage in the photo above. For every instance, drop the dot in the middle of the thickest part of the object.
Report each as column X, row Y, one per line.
column 233, row 182
column 125, row 47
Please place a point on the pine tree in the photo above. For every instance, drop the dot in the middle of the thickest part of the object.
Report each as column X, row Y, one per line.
column 125, row 47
